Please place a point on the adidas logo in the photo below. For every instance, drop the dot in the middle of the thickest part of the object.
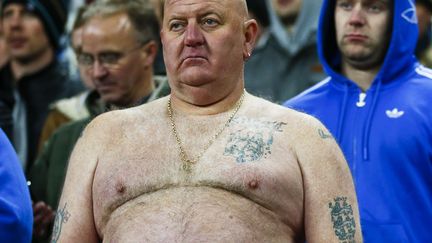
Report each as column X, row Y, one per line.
column 410, row 14
column 361, row 102
column 394, row 114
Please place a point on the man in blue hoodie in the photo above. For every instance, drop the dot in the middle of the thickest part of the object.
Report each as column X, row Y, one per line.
column 376, row 101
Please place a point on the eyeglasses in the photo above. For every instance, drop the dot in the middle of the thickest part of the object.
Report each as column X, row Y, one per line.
column 108, row 59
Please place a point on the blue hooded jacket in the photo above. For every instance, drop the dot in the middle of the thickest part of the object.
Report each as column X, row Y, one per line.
column 16, row 214
column 385, row 132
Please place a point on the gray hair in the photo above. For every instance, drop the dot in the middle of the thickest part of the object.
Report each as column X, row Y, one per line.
column 140, row 12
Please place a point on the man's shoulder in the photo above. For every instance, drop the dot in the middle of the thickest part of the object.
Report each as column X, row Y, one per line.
column 268, row 110
column 296, row 130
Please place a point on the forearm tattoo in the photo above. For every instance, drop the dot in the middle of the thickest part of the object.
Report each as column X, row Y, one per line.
column 343, row 221
column 251, row 139
column 324, row 135
column 62, row 217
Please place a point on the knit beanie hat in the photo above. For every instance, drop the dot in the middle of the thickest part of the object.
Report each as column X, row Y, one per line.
column 52, row 13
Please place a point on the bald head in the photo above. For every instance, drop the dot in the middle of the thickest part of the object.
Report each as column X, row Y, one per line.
column 238, row 6
column 205, row 44
column 241, row 6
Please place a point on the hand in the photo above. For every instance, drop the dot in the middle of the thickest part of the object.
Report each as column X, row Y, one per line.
column 43, row 218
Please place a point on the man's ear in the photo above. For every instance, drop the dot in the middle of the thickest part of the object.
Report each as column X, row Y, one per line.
column 250, row 35
column 148, row 53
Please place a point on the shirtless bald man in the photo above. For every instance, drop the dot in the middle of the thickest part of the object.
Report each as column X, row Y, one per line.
column 210, row 162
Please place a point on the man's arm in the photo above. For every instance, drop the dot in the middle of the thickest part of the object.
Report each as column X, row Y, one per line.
column 74, row 218
column 331, row 210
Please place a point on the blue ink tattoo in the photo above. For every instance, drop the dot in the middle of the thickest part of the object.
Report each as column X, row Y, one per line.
column 343, row 221
column 62, row 216
column 251, row 139
column 323, row 135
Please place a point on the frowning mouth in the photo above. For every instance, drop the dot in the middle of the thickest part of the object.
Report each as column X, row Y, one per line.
column 194, row 57
column 191, row 60
column 356, row 37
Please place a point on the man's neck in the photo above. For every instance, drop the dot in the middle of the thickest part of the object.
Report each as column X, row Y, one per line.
column 25, row 68
column 289, row 22
column 363, row 78
column 218, row 104
column 144, row 89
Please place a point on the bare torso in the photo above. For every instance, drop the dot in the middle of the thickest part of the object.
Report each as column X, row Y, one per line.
column 247, row 187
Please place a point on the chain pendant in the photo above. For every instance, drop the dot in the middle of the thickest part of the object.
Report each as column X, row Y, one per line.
column 186, row 167
column 187, row 163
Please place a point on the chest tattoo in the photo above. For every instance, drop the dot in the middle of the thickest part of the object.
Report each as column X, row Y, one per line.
column 251, row 139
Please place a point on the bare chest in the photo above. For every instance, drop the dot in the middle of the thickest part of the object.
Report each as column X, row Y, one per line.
column 256, row 166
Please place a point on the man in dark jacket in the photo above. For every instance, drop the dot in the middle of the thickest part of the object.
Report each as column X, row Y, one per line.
column 33, row 78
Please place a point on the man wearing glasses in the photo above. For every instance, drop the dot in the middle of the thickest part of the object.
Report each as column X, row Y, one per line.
column 119, row 45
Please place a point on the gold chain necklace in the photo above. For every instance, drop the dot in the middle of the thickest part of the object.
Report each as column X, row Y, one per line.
column 188, row 162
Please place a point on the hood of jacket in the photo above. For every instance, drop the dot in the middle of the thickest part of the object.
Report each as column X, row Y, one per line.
column 304, row 30
column 400, row 52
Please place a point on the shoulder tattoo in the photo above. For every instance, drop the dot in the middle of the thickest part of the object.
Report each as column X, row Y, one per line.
column 62, row 217
column 324, row 135
column 343, row 221
column 251, row 139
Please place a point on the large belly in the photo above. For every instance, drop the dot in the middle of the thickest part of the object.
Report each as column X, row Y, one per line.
column 195, row 214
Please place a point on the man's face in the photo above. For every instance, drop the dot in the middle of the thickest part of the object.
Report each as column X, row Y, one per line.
column 204, row 43
column 24, row 33
column 286, row 8
column 363, row 31
column 117, row 60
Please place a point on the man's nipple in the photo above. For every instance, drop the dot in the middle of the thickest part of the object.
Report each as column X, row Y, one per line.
column 253, row 184
column 120, row 188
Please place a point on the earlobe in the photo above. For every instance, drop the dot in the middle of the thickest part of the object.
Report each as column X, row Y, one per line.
column 250, row 35
column 247, row 56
